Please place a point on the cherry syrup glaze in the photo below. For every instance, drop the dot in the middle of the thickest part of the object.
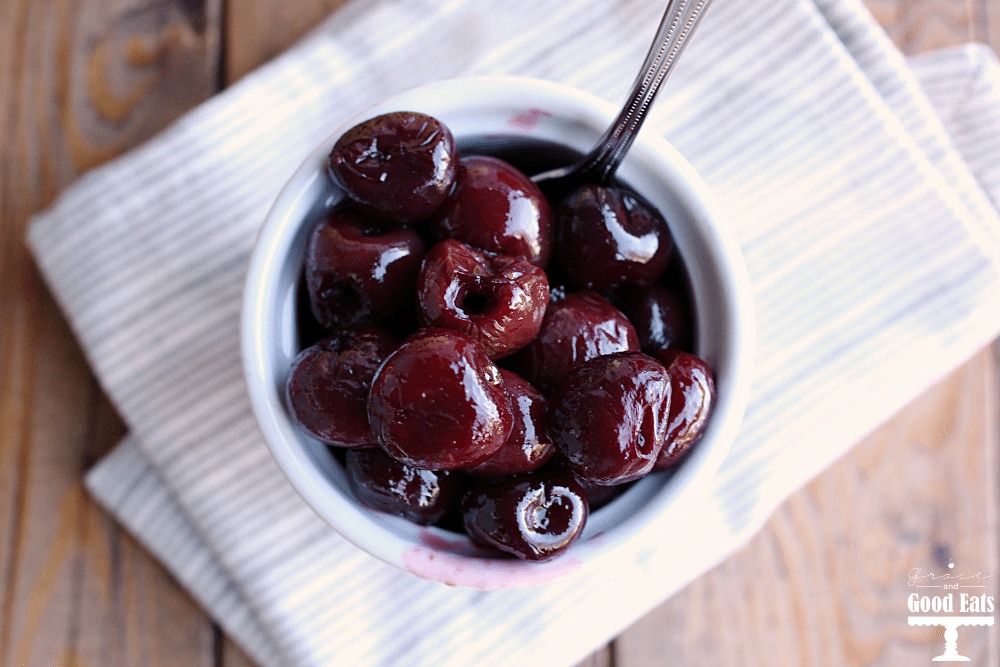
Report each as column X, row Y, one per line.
column 579, row 327
column 609, row 417
column 358, row 270
column 327, row 387
column 497, row 208
column 661, row 315
column 439, row 403
column 397, row 166
column 534, row 516
column 528, row 447
column 691, row 403
column 607, row 236
column 383, row 483
column 498, row 300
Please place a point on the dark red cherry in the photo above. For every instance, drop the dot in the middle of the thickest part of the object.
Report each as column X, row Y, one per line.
column 661, row 316
column 608, row 236
column 358, row 270
column 398, row 166
column 327, row 387
column 529, row 446
column 439, row 403
column 581, row 326
column 383, row 483
column 500, row 301
column 609, row 417
column 495, row 207
column 534, row 517
column 691, row 403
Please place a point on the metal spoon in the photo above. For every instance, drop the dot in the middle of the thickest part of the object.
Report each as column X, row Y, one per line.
column 599, row 166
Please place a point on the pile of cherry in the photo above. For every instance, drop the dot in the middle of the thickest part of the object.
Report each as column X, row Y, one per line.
column 490, row 361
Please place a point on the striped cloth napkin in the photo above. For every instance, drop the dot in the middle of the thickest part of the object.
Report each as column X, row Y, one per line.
column 863, row 190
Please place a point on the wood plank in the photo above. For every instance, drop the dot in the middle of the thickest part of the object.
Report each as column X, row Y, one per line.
column 257, row 30
column 988, row 23
column 234, row 656
column 80, row 81
column 917, row 26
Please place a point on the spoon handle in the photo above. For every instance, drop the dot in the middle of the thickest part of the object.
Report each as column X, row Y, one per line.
column 679, row 21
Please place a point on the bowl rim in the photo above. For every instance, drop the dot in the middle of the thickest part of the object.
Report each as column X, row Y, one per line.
column 343, row 514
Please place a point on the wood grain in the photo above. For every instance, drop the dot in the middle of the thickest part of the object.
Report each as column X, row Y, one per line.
column 258, row 30
column 80, row 81
column 824, row 583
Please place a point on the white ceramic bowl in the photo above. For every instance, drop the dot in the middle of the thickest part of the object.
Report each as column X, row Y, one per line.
column 504, row 110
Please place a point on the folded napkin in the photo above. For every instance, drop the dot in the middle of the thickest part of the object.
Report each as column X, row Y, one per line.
column 849, row 178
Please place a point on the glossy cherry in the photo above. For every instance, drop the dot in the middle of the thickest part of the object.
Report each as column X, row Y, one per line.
column 529, row 446
column 581, row 326
column 609, row 417
column 327, row 386
column 496, row 207
column 661, row 316
column 692, row 399
column 608, row 236
column 398, row 166
column 498, row 300
column 358, row 270
column 383, row 483
column 534, row 517
column 439, row 403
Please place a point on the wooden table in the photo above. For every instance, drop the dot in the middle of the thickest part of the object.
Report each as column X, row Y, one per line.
column 824, row 583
